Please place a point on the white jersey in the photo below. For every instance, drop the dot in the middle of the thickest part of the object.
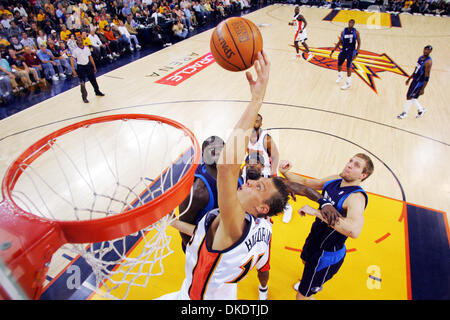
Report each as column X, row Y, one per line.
column 213, row 274
column 300, row 31
column 258, row 146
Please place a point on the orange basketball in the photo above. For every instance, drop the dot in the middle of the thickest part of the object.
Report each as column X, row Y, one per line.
column 235, row 43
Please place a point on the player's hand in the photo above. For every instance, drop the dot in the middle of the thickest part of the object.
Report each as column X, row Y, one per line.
column 330, row 214
column 307, row 210
column 331, row 53
column 75, row 74
column 262, row 68
column 422, row 91
column 407, row 81
column 284, row 166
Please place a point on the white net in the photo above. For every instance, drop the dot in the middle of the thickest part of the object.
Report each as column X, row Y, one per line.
column 107, row 169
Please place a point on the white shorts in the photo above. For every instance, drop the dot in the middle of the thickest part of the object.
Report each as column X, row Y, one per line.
column 301, row 36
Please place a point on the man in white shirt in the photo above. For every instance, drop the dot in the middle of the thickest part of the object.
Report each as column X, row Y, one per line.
column 100, row 50
column 85, row 69
column 128, row 36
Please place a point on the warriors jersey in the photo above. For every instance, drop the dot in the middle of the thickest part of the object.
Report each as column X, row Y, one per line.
column 214, row 274
column 258, row 146
column 300, row 32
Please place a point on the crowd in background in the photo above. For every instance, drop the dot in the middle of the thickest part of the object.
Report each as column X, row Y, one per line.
column 37, row 36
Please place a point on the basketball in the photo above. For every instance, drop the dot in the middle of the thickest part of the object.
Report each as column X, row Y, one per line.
column 235, row 43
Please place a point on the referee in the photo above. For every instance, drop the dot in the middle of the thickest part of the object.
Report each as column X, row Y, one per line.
column 85, row 69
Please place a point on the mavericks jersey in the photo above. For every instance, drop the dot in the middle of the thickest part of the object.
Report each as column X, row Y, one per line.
column 348, row 39
column 419, row 72
column 211, row 184
column 323, row 237
column 213, row 274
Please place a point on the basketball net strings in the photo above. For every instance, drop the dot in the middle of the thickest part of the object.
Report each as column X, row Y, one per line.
column 111, row 264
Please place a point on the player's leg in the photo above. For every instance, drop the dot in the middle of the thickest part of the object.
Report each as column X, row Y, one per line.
column 417, row 92
column 411, row 95
column 341, row 59
column 310, row 55
column 297, row 49
column 263, row 277
column 349, row 72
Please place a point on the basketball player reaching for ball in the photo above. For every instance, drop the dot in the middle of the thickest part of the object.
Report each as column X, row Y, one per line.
column 299, row 23
column 324, row 250
column 348, row 39
column 231, row 240
column 420, row 76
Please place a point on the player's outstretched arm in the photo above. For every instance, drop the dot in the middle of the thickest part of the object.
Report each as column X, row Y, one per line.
column 232, row 215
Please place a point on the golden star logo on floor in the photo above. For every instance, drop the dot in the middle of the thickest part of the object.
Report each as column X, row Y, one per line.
column 367, row 65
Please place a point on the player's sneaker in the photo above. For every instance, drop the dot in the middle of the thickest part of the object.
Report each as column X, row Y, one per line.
column 402, row 115
column 310, row 56
column 263, row 293
column 287, row 213
column 420, row 113
column 346, row 86
column 339, row 78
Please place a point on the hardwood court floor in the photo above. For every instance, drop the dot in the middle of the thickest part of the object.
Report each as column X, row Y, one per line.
column 315, row 124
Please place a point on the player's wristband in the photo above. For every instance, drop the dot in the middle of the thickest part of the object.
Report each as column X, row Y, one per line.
column 426, row 78
column 324, row 202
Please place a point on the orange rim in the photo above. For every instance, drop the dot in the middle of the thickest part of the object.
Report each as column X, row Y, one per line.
column 115, row 226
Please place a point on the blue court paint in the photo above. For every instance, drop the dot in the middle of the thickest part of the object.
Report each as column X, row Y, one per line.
column 429, row 254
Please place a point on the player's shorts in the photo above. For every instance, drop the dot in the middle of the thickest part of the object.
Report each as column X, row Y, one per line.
column 414, row 89
column 346, row 55
column 301, row 36
column 320, row 267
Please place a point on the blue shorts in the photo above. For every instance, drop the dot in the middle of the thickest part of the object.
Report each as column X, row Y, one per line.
column 414, row 89
column 320, row 267
column 346, row 55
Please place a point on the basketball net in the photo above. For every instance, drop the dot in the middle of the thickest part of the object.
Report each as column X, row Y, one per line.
column 102, row 170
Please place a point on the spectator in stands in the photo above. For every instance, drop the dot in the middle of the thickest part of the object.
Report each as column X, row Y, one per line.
column 105, row 41
column 32, row 60
column 16, row 45
column 41, row 17
column 27, row 41
column 41, row 38
column 14, row 30
column 49, row 63
column 25, row 25
column 126, row 10
column 179, row 30
column 54, row 36
column 128, row 36
column 64, row 61
column 6, row 71
column 21, row 70
column 64, row 34
column 71, row 43
column 99, row 50
column 60, row 13
column 113, row 41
